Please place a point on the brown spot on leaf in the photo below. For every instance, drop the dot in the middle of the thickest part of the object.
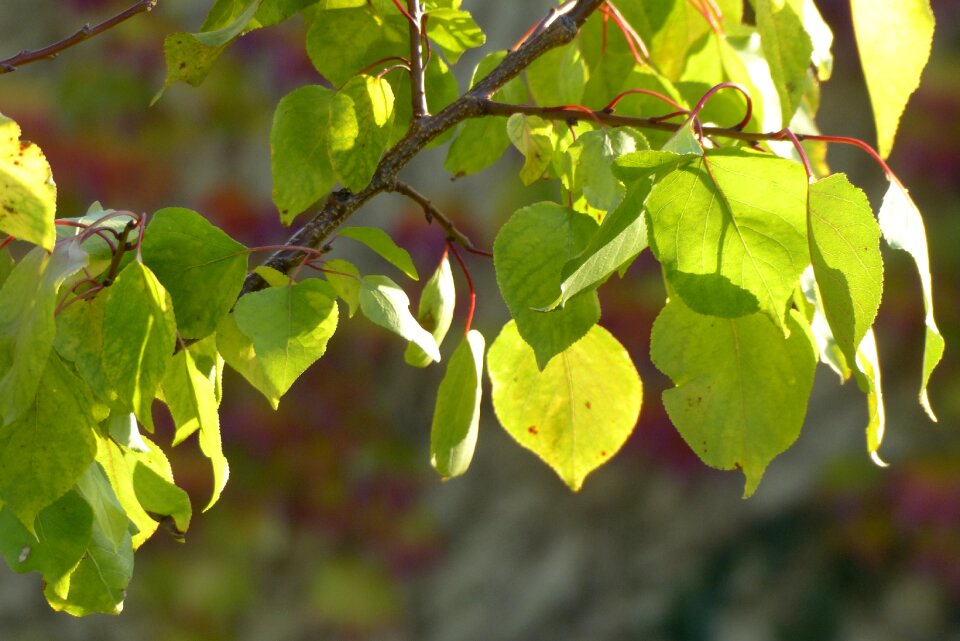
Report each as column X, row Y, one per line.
column 603, row 452
column 588, row 405
column 182, row 66
column 533, row 430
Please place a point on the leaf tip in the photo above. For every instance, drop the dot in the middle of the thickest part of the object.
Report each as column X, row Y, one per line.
column 879, row 462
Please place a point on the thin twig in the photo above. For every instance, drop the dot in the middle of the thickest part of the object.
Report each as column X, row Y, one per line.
column 85, row 33
column 418, row 94
column 433, row 214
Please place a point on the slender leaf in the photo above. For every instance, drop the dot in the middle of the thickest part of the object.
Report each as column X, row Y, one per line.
column 456, row 416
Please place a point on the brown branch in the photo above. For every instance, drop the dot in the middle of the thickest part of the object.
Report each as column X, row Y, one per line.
column 340, row 205
column 417, row 92
column 85, row 33
column 432, row 213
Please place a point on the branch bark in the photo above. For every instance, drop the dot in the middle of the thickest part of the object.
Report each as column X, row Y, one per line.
column 417, row 93
column 340, row 205
column 85, row 33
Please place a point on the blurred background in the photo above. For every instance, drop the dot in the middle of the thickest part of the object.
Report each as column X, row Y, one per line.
column 334, row 526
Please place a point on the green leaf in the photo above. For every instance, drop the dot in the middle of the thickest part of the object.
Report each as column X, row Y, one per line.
column 902, row 227
column 456, row 416
column 289, row 328
column 435, row 312
column 99, row 582
column 108, row 515
column 190, row 395
column 358, row 129
column 300, row 165
column 730, row 231
column 684, row 142
column 380, row 242
column 830, row 353
column 62, row 531
column 139, row 334
column 869, row 363
column 529, row 254
column 385, row 304
column 534, row 137
column 272, row 12
column 596, row 151
column 6, row 266
column 622, row 235
column 44, row 452
column 482, row 141
column 239, row 353
column 894, row 38
column 339, row 42
column 79, row 340
column 647, row 162
column 741, row 387
column 27, row 326
column 190, row 56
column 201, row 267
column 787, row 48
column 821, row 37
column 574, row 414
column 558, row 77
column 454, row 31
column 28, row 195
column 845, row 251
column 344, row 277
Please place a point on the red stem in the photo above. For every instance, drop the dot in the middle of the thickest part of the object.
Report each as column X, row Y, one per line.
column 802, row 153
column 856, row 142
column 727, row 85
column 647, row 92
column 405, row 13
column 634, row 41
column 374, row 65
column 473, row 292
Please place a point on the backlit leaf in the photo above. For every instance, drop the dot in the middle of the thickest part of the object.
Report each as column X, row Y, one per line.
column 139, row 334
column 200, row 266
column 869, row 363
column 435, row 311
column 380, row 242
column 358, row 129
column 578, row 411
column 454, row 31
column 533, row 136
column 894, row 38
column 902, row 227
column 741, row 387
column 529, row 254
column 28, row 195
column 788, row 49
column 384, row 303
column 456, row 416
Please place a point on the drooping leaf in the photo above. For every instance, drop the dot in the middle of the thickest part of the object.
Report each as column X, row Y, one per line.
column 684, row 142
column 869, row 363
column 381, row 243
column 741, row 387
column 28, row 195
column 139, row 334
column 189, row 393
column 300, row 164
column 454, row 31
column 648, row 162
column 456, row 416
column 27, row 303
column 730, row 231
column 358, row 129
column 845, row 252
column 190, row 56
column 198, row 264
column 79, row 340
column 109, row 517
column 533, row 136
column 821, row 37
column 434, row 312
column 902, row 228
column 621, row 236
column 60, row 537
column 529, row 254
column 239, row 353
column 44, row 451
column 894, row 38
column 787, row 48
column 289, row 328
column 384, row 303
column 575, row 413
column 830, row 353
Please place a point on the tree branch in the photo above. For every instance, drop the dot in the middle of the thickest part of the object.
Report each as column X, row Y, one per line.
column 432, row 213
column 417, row 93
column 340, row 205
column 85, row 33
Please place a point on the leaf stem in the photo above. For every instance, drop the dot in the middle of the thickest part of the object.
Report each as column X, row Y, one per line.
column 473, row 292
column 432, row 213
column 639, row 50
column 726, row 85
column 647, row 92
column 85, row 33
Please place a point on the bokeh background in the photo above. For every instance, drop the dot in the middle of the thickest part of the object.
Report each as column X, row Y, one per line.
column 333, row 525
